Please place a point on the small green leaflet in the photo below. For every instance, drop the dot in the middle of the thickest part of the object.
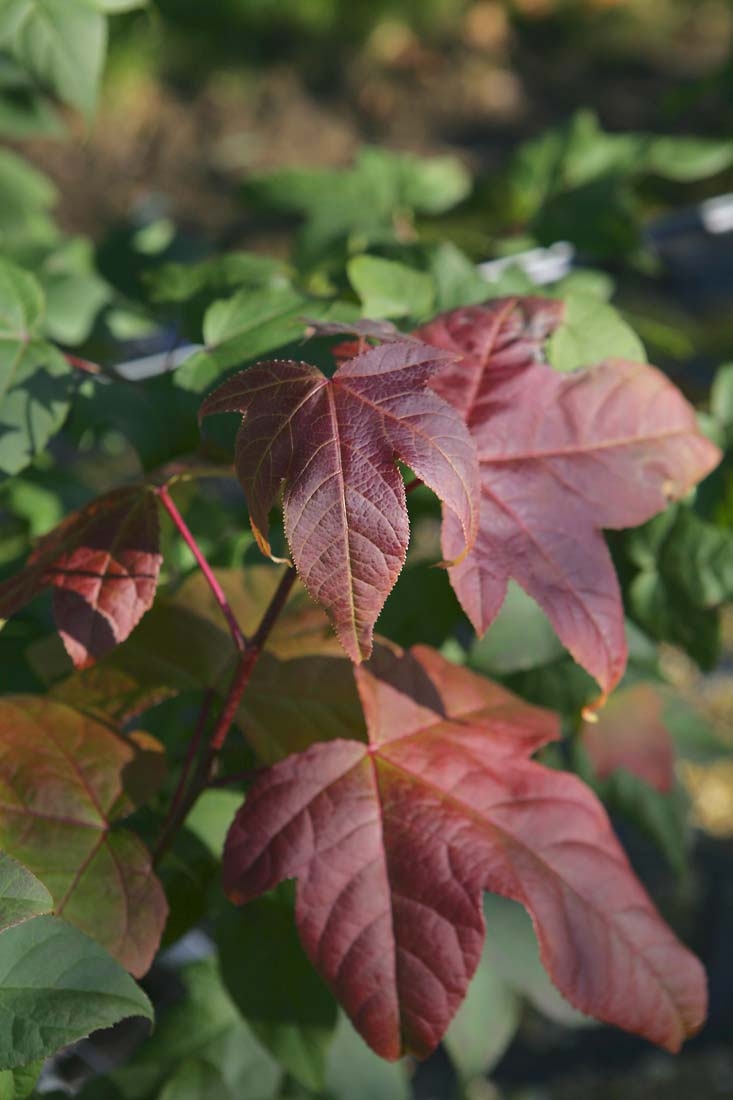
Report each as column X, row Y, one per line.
column 22, row 896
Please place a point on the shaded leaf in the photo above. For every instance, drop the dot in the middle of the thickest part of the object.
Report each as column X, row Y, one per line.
column 203, row 1025
column 180, row 282
column 64, row 781
column 302, row 688
column 354, row 1072
column 681, row 574
column 392, row 844
column 103, row 564
column 57, row 986
column 275, row 988
column 35, row 379
column 561, row 456
column 331, row 445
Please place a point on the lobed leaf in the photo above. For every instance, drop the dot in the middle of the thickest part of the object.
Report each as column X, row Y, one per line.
column 561, row 457
column 103, row 564
column 394, row 841
column 331, row 445
column 65, row 779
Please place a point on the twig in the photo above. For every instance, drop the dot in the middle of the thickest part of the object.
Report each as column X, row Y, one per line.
column 166, row 500
column 82, row 364
column 202, row 776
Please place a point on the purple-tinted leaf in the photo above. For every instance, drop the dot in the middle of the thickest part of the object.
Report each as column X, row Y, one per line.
column 392, row 843
column 331, row 446
column 561, row 457
column 103, row 564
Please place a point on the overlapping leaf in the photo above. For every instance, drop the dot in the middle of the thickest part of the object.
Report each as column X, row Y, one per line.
column 393, row 842
column 64, row 780
column 331, row 445
column 103, row 564
column 561, row 457
column 302, row 688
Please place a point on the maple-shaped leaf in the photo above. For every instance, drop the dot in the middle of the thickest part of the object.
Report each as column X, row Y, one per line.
column 631, row 733
column 562, row 456
column 392, row 843
column 332, row 445
column 65, row 780
column 103, row 564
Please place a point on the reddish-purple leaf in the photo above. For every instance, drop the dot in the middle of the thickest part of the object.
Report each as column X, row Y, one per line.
column 331, row 445
column 561, row 456
column 393, row 842
column 103, row 564
column 631, row 733
column 64, row 780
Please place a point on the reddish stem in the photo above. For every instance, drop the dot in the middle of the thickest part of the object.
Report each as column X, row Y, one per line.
column 172, row 820
column 82, row 364
column 247, row 660
column 414, row 484
column 166, row 500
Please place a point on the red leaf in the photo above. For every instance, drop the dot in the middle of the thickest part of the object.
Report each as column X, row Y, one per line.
column 393, row 842
column 561, row 457
column 332, row 444
column 630, row 733
column 103, row 564
column 64, row 780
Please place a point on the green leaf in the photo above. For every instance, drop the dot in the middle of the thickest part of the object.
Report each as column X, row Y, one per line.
column 355, row 1072
column 592, row 331
column 22, row 896
column 62, row 42
column 486, row 1022
column 74, row 291
column 18, row 1084
column 247, row 326
column 35, row 379
column 187, row 872
column 57, row 986
column 65, row 779
column 721, row 399
column 275, row 987
column 514, row 952
column 181, row 282
column 367, row 201
column 457, row 279
column 196, row 1079
column 204, row 1025
column 390, row 289
column 687, row 159
column 684, row 573
column 26, row 198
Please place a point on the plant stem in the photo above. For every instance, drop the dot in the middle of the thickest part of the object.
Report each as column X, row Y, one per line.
column 235, row 630
column 82, row 364
column 414, row 484
column 207, row 760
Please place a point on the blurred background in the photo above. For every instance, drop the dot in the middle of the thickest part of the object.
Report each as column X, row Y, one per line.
column 583, row 140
